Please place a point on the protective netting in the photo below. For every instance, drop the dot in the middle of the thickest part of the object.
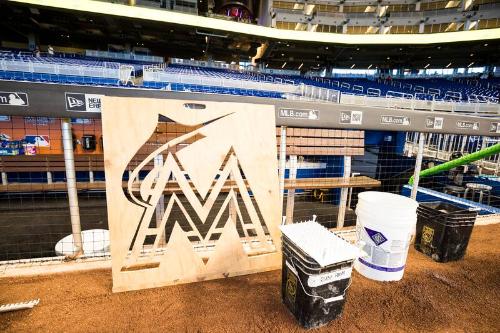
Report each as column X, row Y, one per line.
column 325, row 170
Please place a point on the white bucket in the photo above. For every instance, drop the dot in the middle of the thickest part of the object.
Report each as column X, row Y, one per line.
column 95, row 243
column 386, row 223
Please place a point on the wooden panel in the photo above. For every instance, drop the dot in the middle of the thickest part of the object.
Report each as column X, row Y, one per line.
column 216, row 133
column 323, row 142
column 312, row 141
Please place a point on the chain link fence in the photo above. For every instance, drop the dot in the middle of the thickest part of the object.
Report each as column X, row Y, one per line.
column 324, row 171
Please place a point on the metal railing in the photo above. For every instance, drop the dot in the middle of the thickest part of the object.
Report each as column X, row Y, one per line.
column 400, row 100
column 122, row 56
column 317, row 93
column 59, row 69
column 204, row 64
column 442, row 146
column 150, row 75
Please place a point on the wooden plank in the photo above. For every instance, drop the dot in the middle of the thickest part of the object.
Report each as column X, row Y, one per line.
column 173, row 187
column 290, row 200
column 334, row 182
column 294, row 150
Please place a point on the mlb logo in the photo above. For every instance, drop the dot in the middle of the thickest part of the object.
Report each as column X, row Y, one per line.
column 376, row 236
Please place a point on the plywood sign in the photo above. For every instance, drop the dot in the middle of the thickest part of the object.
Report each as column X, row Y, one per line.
column 225, row 220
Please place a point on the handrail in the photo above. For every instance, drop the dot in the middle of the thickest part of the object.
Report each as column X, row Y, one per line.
column 483, row 153
column 373, row 92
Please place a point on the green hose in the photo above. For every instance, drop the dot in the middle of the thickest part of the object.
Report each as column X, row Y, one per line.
column 492, row 150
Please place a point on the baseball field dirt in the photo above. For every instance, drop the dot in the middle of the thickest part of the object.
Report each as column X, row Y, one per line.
column 462, row 296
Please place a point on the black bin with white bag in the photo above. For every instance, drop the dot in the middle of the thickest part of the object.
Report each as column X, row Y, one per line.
column 316, row 272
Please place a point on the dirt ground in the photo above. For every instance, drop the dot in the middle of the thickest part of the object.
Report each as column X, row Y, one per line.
column 460, row 296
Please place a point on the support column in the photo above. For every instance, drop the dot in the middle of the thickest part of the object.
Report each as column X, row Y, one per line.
column 32, row 43
column 49, row 177
column 233, row 204
column 4, row 178
column 467, row 24
column 452, row 143
column 69, row 162
column 464, row 142
column 440, row 141
column 282, row 165
column 290, row 202
column 343, row 193
column 160, row 207
column 418, row 166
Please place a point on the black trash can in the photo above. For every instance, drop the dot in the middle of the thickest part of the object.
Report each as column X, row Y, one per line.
column 443, row 230
column 314, row 294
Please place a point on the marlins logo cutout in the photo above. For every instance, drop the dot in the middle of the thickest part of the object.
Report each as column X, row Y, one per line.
column 200, row 205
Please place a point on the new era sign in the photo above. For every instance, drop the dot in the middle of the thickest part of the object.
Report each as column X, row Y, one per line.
column 494, row 128
column 434, row 122
column 351, row 117
column 83, row 102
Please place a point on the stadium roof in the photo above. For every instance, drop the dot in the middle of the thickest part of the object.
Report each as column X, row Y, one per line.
column 90, row 23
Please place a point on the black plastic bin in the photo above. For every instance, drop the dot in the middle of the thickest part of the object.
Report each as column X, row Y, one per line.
column 312, row 300
column 443, row 230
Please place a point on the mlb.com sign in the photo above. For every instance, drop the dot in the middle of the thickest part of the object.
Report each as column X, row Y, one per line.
column 83, row 102
column 13, row 98
column 299, row 114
